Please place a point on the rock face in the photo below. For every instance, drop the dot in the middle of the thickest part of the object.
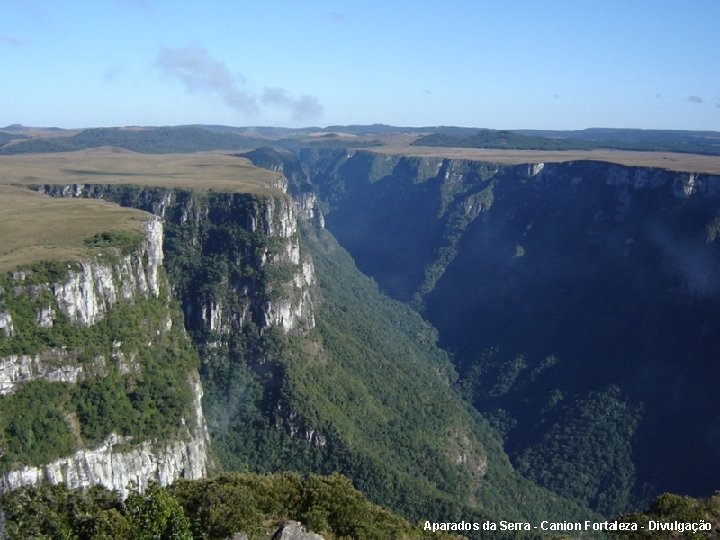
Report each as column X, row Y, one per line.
column 579, row 298
column 116, row 467
column 278, row 294
column 52, row 365
column 89, row 292
column 238, row 270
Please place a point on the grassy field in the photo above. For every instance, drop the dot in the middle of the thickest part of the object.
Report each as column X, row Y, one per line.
column 38, row 228
column 35, row 227
column 201, row 171
column 664, row 160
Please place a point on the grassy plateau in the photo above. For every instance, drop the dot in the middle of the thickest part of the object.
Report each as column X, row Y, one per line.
column 37, row 228
column 107, row 165
column 672, row 161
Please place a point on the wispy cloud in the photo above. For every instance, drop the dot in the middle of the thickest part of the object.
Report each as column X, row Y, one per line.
column 111, row 74
column 199, row 72
column 336, row 16
column 695, row 99
column 302, row 108
column 10, row 41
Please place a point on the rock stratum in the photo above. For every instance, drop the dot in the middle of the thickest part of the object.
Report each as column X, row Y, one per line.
column 59, row 326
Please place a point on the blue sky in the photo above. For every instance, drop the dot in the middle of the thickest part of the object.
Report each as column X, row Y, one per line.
column 543, row 64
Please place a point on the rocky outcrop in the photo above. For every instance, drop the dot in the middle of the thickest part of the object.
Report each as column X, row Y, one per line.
column 53, row 365
column 6, row 324
column 292, row 307
column 122, row 464
column 280, row 296
column 83, row 298
column 294, row 530
column 91, row 291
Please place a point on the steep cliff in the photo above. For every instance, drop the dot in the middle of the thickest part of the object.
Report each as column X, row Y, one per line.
column 313, row 370
column 235, row 263
column 83, row 367
column 579, row 298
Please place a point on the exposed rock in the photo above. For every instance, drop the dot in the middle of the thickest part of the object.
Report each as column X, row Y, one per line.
column 294, row 530
column 295, row 309
column 46, row 317
column 309, row 209
column 87, row 294
column 91, row 291
column 6, row 324
column 18, row 369
column 121, row 470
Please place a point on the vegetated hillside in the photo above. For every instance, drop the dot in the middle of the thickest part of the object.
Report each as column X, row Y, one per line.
column 696, row 142
column 700, row 142
column 385, row 386
column 95, row 368
column 158, row 140
column 306, row 366
column 579, row 301
column 214, row 509
column 173, row 139
column 490, row 138
column 672, row 516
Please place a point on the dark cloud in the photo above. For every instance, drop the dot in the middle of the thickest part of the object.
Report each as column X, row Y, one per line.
column 695, row 99
column 10, row 42
column 199, row 72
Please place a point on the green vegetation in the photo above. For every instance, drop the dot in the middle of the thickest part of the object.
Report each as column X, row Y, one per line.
column 33, row 426
column 136, row 376
column 124, row 241
column 490, row 138
column 669, row 508
column 576, row 302
column 587, row 454
column 632, row 139
column 210, row 509
column 162, row 140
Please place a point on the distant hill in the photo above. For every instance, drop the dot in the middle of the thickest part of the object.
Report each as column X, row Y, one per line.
column 695, row 142
column 197, row 138
column 144, row 140
column 491, row 138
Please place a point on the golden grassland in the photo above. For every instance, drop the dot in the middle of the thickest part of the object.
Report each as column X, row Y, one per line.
column 672, row 161
column 106, row 165
column 36, row 227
